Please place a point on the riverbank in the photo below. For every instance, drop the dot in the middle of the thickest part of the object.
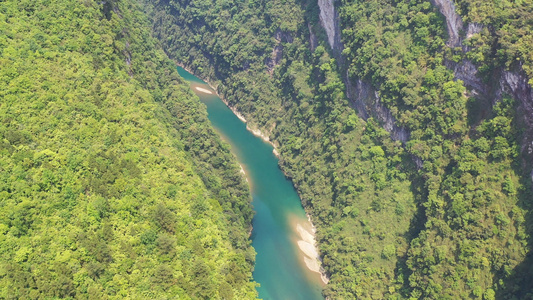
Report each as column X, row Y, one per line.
column 202, row 90
column 304, row 228
column 307, row 245
column 280, row 267
column 255, row 131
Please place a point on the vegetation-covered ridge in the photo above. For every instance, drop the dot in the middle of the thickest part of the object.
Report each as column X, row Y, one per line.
column 112, row 182
column 455, row 226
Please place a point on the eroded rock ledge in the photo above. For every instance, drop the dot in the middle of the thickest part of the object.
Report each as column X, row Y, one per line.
column 363, row 96
column 512, row 82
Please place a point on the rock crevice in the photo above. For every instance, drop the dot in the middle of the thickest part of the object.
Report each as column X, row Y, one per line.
column 280, row 37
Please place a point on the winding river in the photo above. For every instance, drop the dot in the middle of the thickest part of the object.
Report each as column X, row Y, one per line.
column 281, row 232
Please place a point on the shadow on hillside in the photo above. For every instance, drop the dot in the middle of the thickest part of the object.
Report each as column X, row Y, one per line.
column 416, row 226
column 519, row 284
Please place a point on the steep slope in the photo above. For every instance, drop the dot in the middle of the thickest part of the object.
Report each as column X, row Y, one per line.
column 113, row 184
column 438, row 205
column 493, row 57
column 471, row 190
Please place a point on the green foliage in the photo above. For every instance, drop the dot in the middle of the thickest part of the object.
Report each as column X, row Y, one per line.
column 470, row 180
column 445, row 227
column 103, row 193
column 345, row 170
column 469, row 215
column 507, row 36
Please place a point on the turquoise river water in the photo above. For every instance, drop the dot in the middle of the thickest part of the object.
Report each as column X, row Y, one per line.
column 280, row 269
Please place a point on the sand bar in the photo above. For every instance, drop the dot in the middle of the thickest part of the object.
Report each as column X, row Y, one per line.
column 308, row 247
column 200, row 89
column 312, row 264
column 305, row 235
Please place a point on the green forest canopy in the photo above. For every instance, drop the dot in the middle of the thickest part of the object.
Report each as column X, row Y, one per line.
column 103, row 192
column 113, row 184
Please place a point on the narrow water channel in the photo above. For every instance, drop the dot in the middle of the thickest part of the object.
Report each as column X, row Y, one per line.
column 280, row 268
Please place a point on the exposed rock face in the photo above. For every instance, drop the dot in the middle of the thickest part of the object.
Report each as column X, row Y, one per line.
column 363, row 96
column 366, row 100
column 467, row 72
column 464, row 70
column 514, row 83
column 313, row 41
column 329, row 19
column 453, row 20
column 280, row 37
column 472, row 29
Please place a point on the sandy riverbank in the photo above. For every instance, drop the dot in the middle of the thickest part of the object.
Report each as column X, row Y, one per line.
column 307, row 245
column 264, row 137
column 303, row 232
column 243, row 172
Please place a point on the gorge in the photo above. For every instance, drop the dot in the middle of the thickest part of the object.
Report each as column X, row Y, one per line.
column 402, row 129
column 398, row 68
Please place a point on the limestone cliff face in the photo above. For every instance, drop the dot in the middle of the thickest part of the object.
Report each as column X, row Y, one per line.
column 313, row 40
column 464, row 70
column 329, row 19
column 453, row 21
column 280, row 37
column 514, row 83
column 363, row 96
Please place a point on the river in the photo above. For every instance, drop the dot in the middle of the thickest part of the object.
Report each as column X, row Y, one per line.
column 280, row 266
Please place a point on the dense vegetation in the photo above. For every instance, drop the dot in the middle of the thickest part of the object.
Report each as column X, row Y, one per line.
column 112, row 182
column 475, row 234
column 507, row 37
column 456, row 225
column 349, row 173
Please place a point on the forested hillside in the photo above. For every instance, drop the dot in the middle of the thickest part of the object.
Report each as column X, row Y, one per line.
column 112, row 182
column 474, row 202
column 507, row 35
column 114, row 185
column 445, row 214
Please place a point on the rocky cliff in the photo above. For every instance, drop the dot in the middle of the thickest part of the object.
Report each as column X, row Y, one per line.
column 464, row 70
column 280, row 37
column 512, row 82
column 363, row 96
column 515, row 83
column 366, row 101
column 329, row 20
column 453, row 21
